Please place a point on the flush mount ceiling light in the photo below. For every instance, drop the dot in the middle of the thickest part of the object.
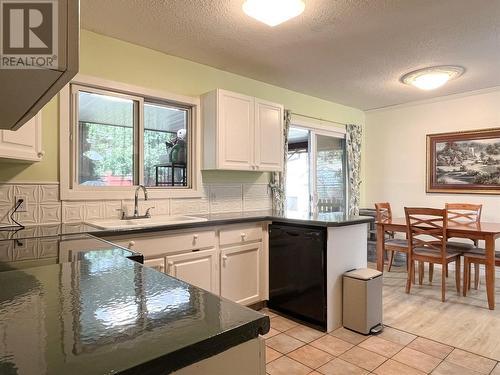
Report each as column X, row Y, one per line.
column 433, row 77
column 273, row 12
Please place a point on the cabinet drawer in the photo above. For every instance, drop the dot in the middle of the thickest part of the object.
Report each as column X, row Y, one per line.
column 152, row 244
column 240, row 234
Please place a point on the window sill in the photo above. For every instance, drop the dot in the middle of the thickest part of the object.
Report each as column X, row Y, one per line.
column 111, row 193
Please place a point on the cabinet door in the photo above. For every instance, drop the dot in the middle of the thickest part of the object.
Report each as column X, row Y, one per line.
column 240, row 273
column 198, row 268
column 235, row 131
column 268, row 136
column 24, row 143
column 157, row 264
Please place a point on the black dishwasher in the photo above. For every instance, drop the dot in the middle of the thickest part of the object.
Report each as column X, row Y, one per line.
column 297, row 272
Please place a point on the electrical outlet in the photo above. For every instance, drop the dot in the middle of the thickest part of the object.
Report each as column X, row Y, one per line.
column 23, row 207
column 19, row 244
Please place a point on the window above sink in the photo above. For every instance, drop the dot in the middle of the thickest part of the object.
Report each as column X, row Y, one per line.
column 119, row 136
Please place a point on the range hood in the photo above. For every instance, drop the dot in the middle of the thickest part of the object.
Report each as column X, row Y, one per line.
column 23, row 92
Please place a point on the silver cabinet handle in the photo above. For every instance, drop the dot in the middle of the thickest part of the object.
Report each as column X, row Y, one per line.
column 131, row 244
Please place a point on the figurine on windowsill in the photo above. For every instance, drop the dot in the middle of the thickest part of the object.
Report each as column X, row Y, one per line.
column 177, row 148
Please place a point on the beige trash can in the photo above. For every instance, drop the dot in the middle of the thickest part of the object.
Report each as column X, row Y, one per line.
column 362, row 301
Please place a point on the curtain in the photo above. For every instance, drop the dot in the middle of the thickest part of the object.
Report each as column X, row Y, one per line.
column 353, row 140
column 278, row 179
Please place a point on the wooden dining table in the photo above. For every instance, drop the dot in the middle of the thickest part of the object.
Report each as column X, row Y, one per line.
column 488, row 232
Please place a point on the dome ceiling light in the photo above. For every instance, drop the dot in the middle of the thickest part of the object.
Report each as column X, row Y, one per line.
column 273, row 12
column 433, row 77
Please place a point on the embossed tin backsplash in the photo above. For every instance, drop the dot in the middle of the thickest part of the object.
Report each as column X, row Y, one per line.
column 45, row 207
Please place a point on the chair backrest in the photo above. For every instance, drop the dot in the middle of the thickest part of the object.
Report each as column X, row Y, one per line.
column 463, row 213
column 427, row 228
column 384, row 212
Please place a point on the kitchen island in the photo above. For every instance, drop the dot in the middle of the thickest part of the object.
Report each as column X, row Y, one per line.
column 101, row 312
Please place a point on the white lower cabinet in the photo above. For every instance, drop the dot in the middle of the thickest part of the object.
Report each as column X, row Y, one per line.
column 240, row 273
column 228, row 260
column 156, row 264
column 198, row 268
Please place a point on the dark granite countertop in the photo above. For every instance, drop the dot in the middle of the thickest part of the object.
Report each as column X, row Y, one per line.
column 21, row 253
column 334, row 219
column 324, row 220
column 45, row 230
column 97, row 312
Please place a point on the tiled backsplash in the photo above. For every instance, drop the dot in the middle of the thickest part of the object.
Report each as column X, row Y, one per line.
column 44, row 206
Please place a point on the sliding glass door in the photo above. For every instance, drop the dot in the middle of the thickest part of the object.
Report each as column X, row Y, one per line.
column 298, row 193
column 329, row 179
column 315, row 171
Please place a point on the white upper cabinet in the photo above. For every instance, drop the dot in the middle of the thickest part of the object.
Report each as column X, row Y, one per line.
column 268, row 136
column 241, row 132
column 236, row 127
column 24, row 144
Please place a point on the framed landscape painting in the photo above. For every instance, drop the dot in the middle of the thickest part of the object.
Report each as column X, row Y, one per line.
column 464, row 162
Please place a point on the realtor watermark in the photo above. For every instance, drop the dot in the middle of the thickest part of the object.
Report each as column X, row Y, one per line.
column 28, row 34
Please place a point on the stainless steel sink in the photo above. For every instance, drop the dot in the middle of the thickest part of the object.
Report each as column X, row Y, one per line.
column 154, row 221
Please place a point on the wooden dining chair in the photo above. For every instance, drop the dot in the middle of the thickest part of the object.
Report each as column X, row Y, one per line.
column 465, row 213
column 392, row 245
column 461, row 213
column 475, row 256
column 426, row 229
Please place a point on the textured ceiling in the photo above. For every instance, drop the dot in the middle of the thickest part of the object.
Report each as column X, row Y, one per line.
column 348, row 51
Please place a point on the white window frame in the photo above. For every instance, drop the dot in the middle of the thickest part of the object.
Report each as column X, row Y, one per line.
column 319, row 127
column 332, row 129
column 71, row 190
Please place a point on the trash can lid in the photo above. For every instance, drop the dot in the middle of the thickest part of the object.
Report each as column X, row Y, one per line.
column 363, row 274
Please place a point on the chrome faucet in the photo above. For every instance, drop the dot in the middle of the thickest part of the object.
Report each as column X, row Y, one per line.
column 136, row 215
column 136, row 199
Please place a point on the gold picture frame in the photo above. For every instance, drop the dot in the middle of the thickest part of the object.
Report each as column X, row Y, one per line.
column 465, row 162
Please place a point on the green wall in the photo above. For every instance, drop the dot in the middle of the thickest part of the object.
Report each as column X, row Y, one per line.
column 113, row 59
